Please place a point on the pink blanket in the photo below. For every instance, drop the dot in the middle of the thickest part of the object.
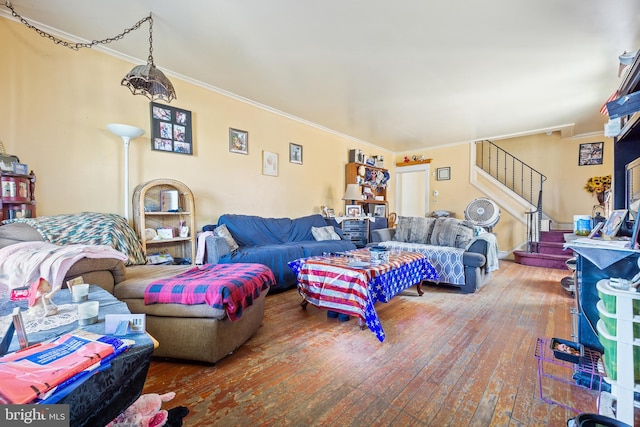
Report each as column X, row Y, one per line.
column 22, row 264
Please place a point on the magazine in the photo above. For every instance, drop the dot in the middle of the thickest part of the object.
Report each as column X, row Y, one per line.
column 26, row 374
column 63, row 389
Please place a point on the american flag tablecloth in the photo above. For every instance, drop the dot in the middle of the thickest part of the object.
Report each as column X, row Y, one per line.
column 332, row 282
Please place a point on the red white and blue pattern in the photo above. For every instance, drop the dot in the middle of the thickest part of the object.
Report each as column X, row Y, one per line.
column 330, row 282
column 230, row 287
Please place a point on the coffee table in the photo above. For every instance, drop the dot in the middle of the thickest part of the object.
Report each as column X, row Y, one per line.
column 107, row 393
column 348, row 283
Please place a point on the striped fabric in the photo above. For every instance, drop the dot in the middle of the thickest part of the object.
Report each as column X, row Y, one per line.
column 229, row 287
column 603, row 109
column 329, row 282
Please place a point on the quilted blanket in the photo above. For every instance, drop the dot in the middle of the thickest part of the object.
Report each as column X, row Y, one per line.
column 89, row 228
column 231, row 287
column 446, row 260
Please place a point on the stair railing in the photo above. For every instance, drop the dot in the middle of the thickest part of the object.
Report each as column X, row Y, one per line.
column 520, row 178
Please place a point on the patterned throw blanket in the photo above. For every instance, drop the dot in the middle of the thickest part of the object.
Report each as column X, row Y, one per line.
column 231, row 287
column 89, row 228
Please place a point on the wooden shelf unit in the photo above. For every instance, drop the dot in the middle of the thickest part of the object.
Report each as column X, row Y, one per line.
column 17, row 199
column 353, row 177
column 147, row 214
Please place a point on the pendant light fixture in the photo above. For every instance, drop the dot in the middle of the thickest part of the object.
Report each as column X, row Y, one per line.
column 144, row 80
column 147, row 80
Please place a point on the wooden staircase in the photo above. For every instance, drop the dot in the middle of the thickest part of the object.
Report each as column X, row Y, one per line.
column 550, row 252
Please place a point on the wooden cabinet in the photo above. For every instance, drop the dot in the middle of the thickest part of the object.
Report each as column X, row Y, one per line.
column 373, row 182
column 18, row 200
column 164, row 218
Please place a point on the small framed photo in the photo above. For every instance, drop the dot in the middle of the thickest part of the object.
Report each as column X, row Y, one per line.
column 443, row 174
column 269, row 163
column 295, row 153
column 327, row 212
column 590, row 153
column 171, row 129
column 353, row 211
column 238, row 141
column 7, row 162
column 612, row 226
column 380, row 211
column 20, row 169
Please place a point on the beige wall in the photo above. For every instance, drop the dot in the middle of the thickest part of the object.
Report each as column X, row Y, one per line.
column 557, row 158
column 554, row 156
column 56, row 103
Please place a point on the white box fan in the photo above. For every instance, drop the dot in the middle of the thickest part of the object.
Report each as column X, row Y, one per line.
column 483, row 212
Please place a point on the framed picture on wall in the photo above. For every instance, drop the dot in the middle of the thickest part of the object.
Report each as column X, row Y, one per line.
column 295, row 153
column 443, row 174
column 238, row 141
column 269, row 163
column 590, row 153
column 171, row 129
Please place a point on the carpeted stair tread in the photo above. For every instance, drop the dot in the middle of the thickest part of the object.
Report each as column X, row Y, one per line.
column 542, row 259
column 553, row 235
column 554, row 248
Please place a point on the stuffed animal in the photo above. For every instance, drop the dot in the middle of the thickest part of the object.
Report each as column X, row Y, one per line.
column 144, row 412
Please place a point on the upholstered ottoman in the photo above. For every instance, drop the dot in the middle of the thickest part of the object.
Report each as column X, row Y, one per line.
column 194, row 332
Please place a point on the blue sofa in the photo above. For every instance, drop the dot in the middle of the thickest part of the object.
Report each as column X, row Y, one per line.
column 272, row 242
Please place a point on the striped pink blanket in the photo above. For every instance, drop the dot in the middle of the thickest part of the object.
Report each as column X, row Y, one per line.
column 231, row 287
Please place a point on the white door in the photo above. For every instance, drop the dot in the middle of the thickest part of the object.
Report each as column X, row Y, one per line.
column 412, row 190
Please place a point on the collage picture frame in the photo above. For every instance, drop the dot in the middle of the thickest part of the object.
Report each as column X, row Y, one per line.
column 590, row 153
column 171, row 129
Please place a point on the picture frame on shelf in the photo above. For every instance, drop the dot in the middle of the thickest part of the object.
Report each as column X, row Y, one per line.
column 613, row 224
column 269, row 163
column 380, row 211
column 171, row 129
column 443, row 174
column 238, row 141
column 353, row 211
column 590, row 153
column 20, row 169
column 7, row 161
column 327, row 212
column 295, row 153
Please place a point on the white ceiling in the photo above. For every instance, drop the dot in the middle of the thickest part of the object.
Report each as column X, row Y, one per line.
column 403, row 74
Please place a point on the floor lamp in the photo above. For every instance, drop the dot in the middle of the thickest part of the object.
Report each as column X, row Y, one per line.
column 127, row 133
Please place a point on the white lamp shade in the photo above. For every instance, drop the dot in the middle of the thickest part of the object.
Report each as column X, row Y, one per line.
column 352, row 192
column 125, row 131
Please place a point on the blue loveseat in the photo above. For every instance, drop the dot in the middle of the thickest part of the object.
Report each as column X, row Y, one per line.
column 272, row 242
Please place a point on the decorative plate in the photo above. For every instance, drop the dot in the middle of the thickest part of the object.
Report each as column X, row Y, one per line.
column 361, row 170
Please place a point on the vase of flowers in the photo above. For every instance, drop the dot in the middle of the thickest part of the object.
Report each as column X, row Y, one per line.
column 597, row 185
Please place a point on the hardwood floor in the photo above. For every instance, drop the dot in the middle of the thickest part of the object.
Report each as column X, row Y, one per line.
column 449, row 359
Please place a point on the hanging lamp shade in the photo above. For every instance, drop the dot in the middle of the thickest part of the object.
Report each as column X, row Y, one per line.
column 147, row 80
